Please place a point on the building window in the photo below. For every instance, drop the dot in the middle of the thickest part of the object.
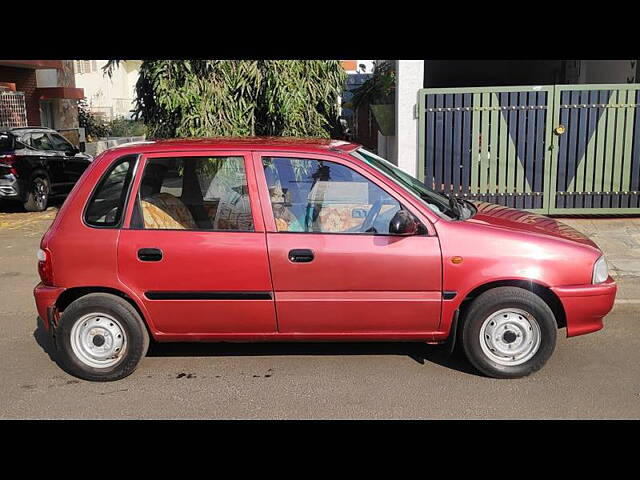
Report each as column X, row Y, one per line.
column 85, row 66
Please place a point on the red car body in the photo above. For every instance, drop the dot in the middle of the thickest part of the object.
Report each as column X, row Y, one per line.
column 358, row 287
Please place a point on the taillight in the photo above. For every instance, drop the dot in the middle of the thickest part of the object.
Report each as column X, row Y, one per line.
column 45, row 267
column 9, row 161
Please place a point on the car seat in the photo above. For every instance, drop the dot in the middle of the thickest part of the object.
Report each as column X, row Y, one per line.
column 162, row 210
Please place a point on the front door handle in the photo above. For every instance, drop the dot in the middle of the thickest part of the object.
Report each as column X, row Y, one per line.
column 150, row 254
column 301, row 255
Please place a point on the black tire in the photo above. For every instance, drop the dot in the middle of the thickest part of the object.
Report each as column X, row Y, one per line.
column 38, row 194
column 497, row 299
column 137, row 337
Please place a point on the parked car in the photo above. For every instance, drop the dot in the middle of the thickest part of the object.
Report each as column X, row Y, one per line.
column 37, row 163
column 251, row 240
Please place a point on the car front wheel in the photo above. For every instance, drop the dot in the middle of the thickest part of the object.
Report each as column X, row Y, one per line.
column 508, row 332
column 101, row 337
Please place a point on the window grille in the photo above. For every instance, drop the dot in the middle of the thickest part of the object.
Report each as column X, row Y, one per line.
column 13, row 110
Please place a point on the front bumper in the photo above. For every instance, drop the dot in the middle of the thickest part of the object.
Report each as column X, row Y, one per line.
column 46, row 298
column 586, row 305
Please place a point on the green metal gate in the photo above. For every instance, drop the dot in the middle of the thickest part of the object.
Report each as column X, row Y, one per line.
column 564, row 149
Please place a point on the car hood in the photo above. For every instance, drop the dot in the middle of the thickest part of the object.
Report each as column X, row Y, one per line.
column 514, row 219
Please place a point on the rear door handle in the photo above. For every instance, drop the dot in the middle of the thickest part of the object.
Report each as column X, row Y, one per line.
column 301, row 255
column 150, row 254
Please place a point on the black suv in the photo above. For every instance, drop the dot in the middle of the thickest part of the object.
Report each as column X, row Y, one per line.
column 36, row 163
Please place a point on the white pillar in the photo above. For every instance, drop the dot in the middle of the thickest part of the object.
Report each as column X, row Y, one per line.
column 409, row 79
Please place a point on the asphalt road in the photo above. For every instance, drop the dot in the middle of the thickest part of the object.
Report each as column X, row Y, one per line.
column 594, row 376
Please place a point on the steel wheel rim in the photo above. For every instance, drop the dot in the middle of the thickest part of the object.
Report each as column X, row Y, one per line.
column 98, row 340
column 510, row 337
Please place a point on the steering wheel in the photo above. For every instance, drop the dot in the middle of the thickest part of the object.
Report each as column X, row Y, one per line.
column 367, row 225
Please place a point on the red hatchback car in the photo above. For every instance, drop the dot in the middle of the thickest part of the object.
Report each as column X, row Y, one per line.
column 273, row 239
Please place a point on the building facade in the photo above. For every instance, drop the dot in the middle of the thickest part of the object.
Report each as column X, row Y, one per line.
column 108, row 96
column 38, row 92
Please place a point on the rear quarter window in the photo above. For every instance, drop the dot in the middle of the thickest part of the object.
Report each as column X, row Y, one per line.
column 107, row 204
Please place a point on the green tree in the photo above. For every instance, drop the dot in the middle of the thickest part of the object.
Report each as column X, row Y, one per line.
column 199, row 98
column 124, row 127
column 94, row 126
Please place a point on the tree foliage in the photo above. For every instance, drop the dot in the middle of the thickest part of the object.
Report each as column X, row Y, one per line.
column 379, row 89
column 125, row 127
column 94, row 127
column 199, row 98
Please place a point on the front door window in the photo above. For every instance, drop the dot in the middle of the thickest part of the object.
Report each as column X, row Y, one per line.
column 317, row 196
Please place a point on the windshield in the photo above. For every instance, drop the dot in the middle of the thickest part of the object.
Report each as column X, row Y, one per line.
column 435, row 201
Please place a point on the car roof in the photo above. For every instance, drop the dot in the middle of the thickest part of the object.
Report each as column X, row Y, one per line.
column 26, row 129
column 309, row 145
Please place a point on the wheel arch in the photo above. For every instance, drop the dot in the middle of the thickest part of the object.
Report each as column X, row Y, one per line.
column 70, row 295
column 544, row 292
column 40, row 171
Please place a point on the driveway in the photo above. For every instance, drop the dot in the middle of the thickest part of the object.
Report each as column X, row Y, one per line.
column 594, row 376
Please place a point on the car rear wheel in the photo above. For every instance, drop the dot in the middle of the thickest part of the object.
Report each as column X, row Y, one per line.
column 509, row 332
column 38, row 195
column 101, row 337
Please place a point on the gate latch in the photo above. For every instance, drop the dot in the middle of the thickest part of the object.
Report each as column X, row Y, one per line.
column 559, row 130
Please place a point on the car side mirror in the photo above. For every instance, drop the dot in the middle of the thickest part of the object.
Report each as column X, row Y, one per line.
column 73, row 151
column 403, row 223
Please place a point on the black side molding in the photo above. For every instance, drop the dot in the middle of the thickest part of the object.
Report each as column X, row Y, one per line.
column 166, row 295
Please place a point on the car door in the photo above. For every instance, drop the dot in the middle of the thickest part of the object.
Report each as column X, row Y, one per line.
column 72, row 164
column 48, row 159
column 336, row 270
column 194, row 250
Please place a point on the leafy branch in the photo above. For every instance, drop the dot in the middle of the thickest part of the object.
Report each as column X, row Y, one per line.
column 197, row 98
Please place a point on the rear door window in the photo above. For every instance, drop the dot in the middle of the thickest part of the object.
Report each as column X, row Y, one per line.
column 194, row 193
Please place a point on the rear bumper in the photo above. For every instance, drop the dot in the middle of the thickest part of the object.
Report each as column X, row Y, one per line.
column 46, row 298
column 586, row 305
column 11, row 188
